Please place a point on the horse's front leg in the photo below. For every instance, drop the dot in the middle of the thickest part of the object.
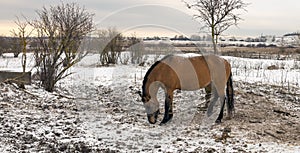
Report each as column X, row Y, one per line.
column 168, row 108
column 220, row 117
column 212, row 101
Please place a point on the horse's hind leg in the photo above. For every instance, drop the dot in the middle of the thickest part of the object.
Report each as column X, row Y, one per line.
column 230, row 99
column 207, row 95
column 213, row 99
column 168, row 107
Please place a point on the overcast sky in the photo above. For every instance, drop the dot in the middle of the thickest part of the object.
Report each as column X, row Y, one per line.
column 164, row 18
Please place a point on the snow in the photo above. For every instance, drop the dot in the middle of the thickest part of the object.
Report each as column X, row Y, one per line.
column 97, row 109
column 188, row 55
column 255, row 70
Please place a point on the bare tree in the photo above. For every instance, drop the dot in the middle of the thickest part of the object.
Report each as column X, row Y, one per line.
column 23, row 34
column 60, row 31
column 217, row 15
column 137, row 52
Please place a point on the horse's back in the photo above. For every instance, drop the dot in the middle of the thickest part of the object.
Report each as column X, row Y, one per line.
column 192, row 72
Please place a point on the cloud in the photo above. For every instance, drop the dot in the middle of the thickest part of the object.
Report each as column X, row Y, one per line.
column 147, row 16
column 268, row 15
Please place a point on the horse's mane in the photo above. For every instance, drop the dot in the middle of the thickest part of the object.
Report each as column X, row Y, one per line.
column 150, row 70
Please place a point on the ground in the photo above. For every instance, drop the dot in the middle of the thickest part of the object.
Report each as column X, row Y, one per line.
column 107, row 115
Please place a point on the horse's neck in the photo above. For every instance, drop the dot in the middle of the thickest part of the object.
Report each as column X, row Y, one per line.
column 151, row 87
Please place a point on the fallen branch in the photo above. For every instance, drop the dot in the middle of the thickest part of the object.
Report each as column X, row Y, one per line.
column 64, row 96
column 271, row 134
column 282, row 112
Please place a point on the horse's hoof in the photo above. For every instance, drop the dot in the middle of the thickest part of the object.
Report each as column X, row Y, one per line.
column 163, row 122
column 170, row 116
column 228, row 118
column 218, row 121
column 166, row 119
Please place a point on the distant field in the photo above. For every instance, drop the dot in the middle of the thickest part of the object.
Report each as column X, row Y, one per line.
column 250, row 52
column 262, row 52
column 269, row 50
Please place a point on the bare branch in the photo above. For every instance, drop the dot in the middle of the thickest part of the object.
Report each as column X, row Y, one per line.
column 23, row 35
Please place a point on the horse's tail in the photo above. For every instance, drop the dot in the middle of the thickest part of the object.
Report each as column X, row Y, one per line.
column 230, row 94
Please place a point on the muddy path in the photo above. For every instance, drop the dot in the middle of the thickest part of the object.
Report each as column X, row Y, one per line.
column 267, row 113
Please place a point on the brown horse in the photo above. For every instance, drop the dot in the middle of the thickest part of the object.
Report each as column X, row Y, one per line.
column 187, row 73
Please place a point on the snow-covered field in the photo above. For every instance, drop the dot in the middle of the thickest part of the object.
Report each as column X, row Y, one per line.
column 97, row 109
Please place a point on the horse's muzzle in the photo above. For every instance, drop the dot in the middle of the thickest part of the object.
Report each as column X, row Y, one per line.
column 152, row 118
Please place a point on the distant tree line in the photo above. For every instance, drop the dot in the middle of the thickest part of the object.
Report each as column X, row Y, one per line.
column 292, row 34
column 10, row 45
column 208, row 38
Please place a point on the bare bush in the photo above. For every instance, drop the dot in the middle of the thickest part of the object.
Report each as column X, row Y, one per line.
column 60, row 31
column 137, row 51
column 110, row 45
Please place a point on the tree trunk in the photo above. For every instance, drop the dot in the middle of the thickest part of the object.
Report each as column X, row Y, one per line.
column 49, row 78
column 213, row 39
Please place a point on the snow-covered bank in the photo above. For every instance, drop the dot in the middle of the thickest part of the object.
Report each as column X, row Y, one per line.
column 97, row 110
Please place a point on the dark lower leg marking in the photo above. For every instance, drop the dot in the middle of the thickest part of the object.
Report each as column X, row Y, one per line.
column 207, row 95
column 230, row 99
column 168, row 110
column 221, row 111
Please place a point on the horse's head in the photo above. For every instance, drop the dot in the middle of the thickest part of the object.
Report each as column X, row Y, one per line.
column 152, row 108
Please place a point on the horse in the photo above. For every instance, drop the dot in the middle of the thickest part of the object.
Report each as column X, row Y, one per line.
column 187, row 73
